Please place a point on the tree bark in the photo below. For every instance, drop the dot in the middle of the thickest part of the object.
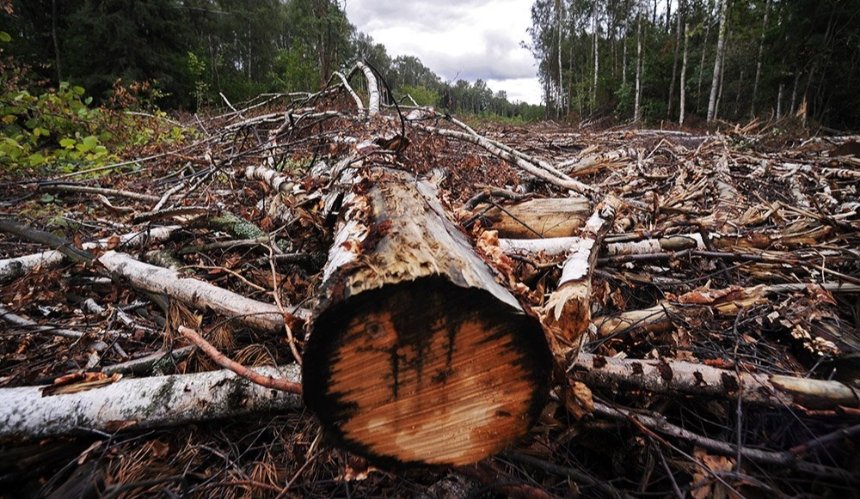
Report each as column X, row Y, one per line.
column 417, row 354
column 26, row 412
column 718, row 61
column 550, row 217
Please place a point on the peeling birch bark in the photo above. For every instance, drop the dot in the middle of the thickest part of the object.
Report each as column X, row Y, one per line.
column 417, row 354
column 567, row 312
column 196, row 293
column 672, row 377
column 141, row 403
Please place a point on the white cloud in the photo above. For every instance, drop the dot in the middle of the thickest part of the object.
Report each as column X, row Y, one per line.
column 466, row 39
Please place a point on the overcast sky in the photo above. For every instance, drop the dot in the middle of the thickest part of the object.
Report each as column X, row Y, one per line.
column 457, row 39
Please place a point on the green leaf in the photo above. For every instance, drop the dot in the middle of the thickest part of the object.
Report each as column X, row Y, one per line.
column 79, row 90
column 47, row 198
column 67, row 143
column 36, row 159
column 5, row 37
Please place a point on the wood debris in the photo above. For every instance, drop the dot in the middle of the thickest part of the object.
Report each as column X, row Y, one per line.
column 704, row 321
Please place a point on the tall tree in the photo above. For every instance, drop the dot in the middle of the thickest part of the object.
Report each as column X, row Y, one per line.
column 718, row 60
column 759, row 58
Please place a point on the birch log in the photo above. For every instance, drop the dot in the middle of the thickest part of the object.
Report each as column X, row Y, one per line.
column 198, row 294
column 11, row 268
column 673, row 377
column 567, row 312
column 372, row 89
column 417, row 354
column 141, row 403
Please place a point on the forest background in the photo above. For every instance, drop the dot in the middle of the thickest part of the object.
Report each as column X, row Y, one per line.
column 66, row 62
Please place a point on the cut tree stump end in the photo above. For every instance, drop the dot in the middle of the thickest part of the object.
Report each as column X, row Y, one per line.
column 426, row 371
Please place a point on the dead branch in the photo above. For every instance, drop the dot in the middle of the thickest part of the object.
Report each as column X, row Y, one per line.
column 662, row 376
column 197, row 293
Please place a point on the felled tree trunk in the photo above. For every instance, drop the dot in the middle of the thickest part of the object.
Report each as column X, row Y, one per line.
column 538, row 218
column 27, row 412
column 417, row 354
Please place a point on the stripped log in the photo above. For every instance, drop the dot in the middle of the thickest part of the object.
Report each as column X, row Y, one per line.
column 417, row 354
column 11, row 268
column 554, row 246
column 196, row 293
column 567, row 312
column 537, row 218
column 671, row 377
column 27, row 412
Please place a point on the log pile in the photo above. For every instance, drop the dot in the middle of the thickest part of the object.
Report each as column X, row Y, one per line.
column 608, row 313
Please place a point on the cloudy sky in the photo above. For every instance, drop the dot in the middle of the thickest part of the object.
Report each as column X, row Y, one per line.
column 457, row 39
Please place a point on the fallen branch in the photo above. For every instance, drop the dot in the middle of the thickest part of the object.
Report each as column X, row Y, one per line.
column 23, row 322
column 197, row 293
column 15, row 267
column 671, row 377
column 252, row 376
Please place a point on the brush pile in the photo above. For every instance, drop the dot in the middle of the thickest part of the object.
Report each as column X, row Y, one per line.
column 529, row 311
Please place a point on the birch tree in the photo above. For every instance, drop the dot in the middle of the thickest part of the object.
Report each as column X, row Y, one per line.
column 718, row 61
column 683, row 99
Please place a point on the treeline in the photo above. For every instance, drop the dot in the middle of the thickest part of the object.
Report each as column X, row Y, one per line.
column 190, row 51
column 709, row 59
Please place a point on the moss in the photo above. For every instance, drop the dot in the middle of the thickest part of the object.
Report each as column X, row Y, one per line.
column 237, row 226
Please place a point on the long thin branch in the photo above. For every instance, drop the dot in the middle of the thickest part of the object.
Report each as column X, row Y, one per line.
column 222, row 360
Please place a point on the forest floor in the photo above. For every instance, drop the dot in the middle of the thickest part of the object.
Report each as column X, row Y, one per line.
column 766, row 286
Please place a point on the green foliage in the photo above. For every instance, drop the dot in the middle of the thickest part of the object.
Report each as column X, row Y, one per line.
column 197, row 70
column 423, row 96
column 55, row 128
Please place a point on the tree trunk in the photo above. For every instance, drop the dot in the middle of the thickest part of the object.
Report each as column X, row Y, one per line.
column 683, row 82
column 596, row 52
column 57, row 60
column 674, row 57
column 537, row 218
column 624, row 52
column 637, row 111
column 560, row 103
column 779, row 100
column 417, row 354
column 718, row 61
column 759, row 58
column 707, row 22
